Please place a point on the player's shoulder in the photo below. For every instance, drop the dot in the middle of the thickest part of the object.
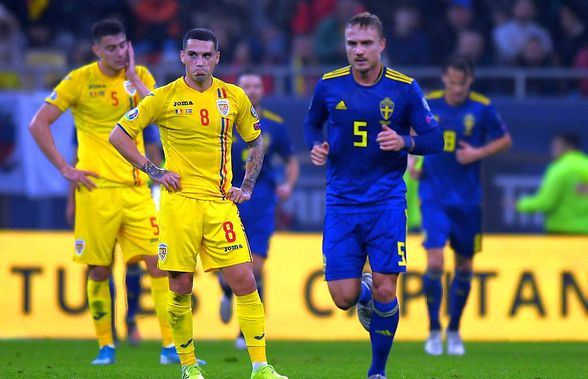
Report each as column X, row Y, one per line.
column 82, row 72
column 142, row 70
column 435, row 95
column 224, row 89
column 269, row 115
column 477, row 97
column 338, row 73
column 396, row 76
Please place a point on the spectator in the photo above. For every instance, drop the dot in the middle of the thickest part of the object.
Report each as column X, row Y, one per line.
column 459, row 17
column 535, row 55
column 472, row 45
column 11, row 41
column 574, row 33
column 407, row 43
column 511, row 37
column 329, row 33
column 581, row 62
column 563, row 194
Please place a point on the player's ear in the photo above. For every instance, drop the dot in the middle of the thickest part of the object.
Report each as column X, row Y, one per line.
column 182, row 57
column 96, row 49
column 217, row 56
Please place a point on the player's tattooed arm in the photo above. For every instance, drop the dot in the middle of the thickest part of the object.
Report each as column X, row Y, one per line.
column 170, row 180
column 253, row 164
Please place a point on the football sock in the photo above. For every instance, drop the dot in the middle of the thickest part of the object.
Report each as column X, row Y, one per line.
column 113, row 308
column 383, row 326
column 251, row 319
column 101, row 309
column 365, row 294
column 434, row 295
column 179, row 312
column 159, row 292
column 458, row 296
column 227, row 291
column 133, row 285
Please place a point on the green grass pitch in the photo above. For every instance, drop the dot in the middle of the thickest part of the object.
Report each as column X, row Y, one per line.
column 312, row 360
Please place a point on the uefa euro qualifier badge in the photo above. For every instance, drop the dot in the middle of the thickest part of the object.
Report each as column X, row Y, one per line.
column 132, row 114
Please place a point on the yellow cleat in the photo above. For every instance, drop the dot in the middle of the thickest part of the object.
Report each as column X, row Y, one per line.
column 192, row 372
column 267, row 372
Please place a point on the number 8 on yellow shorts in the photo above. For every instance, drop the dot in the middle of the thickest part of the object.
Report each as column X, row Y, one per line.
column 211, row 228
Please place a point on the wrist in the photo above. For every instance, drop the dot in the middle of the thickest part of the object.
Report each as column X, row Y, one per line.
column 408, row 143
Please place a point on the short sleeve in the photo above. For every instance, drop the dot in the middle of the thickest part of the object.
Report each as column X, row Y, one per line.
column 247, row 122
column 138, row 118
column 494, row 126
column 64, row 95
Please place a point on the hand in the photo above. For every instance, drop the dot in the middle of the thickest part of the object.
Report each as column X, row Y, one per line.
column 238, row 195
column 130, row 72
column 70, row 211
column 318, row 154
column 77, row 177
column 389, row 140
column 169, row 179
column 467, row 154
column 413, row 171
column 284, row 191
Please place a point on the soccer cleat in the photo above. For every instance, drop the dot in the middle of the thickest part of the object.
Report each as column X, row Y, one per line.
column 169, row 356
column 434, row 344
column 240, row 343
column 106, row 356
column 226, row 308
column 267, row 372
column 133, row 336
column 364, row 311
column 376, row 376
column 454, row 344
column 192, row 372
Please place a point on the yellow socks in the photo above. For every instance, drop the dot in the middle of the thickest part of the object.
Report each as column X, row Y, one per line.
column 179, row 313
column 251, row 317
column 159, row 291
column 100, row 305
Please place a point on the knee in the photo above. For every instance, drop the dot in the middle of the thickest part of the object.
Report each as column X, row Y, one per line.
column 244, row 283
column 181, row 284
column 384, row 292
column 99, row 273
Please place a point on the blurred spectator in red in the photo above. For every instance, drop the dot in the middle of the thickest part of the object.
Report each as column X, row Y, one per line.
column 574, row 33
column 328, row 45
column 511, row 37
column 308, row 13
column 407, row 44
column 11, row 42
column 581, row 62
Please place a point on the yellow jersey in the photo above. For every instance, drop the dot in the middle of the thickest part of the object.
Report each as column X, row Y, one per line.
column 97, row 102
column 196, row 131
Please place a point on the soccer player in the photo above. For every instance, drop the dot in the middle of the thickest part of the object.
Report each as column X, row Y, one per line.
column 369, row 110
column 563, row 194
column 450, row 193
column 258, row 214
column 196, row 115
column 113, row 202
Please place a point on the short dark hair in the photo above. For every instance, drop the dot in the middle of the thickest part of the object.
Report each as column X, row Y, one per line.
column 366, row 19
column 459, row 63
column 107, row 27
column 247, row 71
column 571, row 139
column 201, row 34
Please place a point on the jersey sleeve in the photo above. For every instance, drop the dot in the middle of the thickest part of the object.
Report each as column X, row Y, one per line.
column 146, row 77
column 429, row 139
column 548, row 194
column 64, row 95
column 494, row 126
column 316, row 117
column 282, row 142
column 138, row 118
column 247, row 122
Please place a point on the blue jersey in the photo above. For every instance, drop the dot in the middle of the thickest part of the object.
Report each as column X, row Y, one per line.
column 476, row 122
column 361, row 176
column 276, row 142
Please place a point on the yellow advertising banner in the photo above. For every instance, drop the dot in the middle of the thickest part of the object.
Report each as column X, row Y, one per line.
column 524, row 288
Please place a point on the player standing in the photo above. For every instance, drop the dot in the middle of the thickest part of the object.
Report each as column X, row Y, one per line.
column 451, row 193
column 369, row 110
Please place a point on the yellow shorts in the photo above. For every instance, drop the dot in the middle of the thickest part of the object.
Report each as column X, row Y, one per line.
column 107, row 215
column 190, row 227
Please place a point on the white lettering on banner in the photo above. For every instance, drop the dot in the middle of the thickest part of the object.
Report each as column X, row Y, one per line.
column 514, row 187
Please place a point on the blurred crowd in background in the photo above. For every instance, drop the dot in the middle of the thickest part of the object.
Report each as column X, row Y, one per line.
column 303, row 33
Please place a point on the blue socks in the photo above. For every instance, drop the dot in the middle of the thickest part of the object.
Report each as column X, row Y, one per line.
column 458, row 296
column 365, row 295
column 133, row 285
column 434, row 294
column 383, row 326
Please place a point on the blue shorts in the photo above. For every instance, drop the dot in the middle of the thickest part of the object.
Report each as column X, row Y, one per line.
column 259, row 223
column 350, row 238
column 461, row 225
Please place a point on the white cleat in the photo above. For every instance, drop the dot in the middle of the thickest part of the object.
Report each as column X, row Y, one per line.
column 364, row 311
column 226, row 309
column 376, row 376
column 454, row 344
column 434, row 344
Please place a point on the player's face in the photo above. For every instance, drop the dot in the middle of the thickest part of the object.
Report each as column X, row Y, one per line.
column 200, row 59
column 253, row 87
column 558, row 147
column 112, row 51
column 364, row 47
column 457, row 85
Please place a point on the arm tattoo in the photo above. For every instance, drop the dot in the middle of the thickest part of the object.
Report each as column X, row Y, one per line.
column 152, row 170
column 253, row 164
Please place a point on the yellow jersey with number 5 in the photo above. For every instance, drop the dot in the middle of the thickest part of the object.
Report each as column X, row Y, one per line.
column 97, row 102
column 196, row 131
